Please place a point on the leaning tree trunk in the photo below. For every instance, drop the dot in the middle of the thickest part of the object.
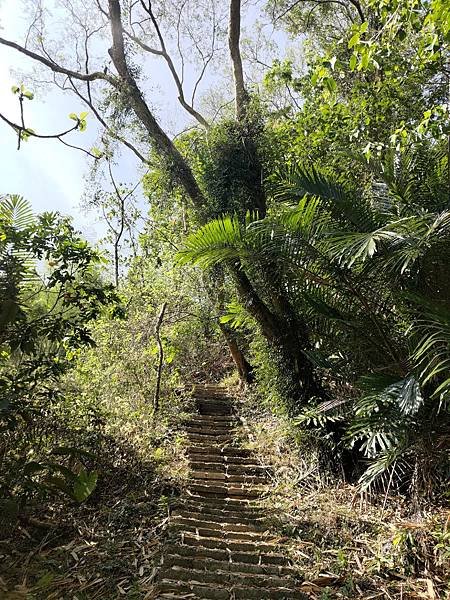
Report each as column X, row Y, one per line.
column 288, row 337
column 244, row 368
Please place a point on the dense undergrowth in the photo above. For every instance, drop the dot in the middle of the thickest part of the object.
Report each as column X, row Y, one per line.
column 104, row 547
column 344, row 544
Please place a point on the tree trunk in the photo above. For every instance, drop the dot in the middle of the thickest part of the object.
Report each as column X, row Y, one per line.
column 177, row 165
column 234, row 33
column 289, row 338
column 244, row 368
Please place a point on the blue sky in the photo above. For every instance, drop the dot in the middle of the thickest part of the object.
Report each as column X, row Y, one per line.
column 47, row 173
column 50, row 175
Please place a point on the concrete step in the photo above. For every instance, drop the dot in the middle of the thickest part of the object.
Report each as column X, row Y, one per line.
column 211, row 438
column 199, row 552
column 226, row 490
column 212, row 419
column 222, row 518
column 231, row 506
column 218, row 532
column 229, row 478
column 205, row 523
column 230, row 424
column 211, row 591
column 209, row 564
column 217, row 457
column 190, row 539
column 234, row 451
column 210, row 429
column 229, row 468
column 227, row 515
column 231, row 461
column 214, row 401
column 227, row 579
column 225, row 451
column 210, row 408
column 199, row 391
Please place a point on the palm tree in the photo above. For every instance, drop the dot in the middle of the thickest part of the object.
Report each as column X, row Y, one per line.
column 368, row 273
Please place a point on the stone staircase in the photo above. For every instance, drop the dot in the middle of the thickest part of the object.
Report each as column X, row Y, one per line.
column 220, row 547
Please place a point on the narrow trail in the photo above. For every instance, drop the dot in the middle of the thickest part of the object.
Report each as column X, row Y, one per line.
column 219, row 545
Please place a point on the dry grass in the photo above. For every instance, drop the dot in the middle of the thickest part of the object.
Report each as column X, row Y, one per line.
column 346, row 545
column 106, row 548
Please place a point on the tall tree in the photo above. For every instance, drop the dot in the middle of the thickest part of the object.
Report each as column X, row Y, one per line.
column 282, row 328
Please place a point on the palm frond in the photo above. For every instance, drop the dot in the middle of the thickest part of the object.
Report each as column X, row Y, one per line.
column 17, row 218
column 344, row 204
column 389, row 466
column 432, row 351
column 237, row 317
column 15, row 211
column 382, row 413
column 214, row 243
column 349, row 248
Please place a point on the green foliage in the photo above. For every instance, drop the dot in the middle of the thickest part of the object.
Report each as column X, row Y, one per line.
column 77, row 485
column 237, row 317
column 80, row 120
column 227, row 161
column 50, row 292
column 214, row 243
column 22, row 92
column 432, row 353
column 352, row 262
column 331, row 198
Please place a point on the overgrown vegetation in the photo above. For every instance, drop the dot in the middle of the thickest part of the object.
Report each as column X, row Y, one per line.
column 297, row 245
column 345, row 544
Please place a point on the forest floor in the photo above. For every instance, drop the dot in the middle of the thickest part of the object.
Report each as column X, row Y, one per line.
column 344, row 545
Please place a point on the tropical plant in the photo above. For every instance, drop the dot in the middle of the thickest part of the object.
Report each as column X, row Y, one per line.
column 361, row 266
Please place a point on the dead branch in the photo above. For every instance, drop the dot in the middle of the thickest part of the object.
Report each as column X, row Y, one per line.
column 161, row 356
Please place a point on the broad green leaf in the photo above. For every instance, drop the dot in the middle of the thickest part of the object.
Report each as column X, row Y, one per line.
column 84, row 485
column 354, row 40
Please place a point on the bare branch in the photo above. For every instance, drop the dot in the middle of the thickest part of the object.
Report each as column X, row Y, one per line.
column 78, row 148
column 102, row 121
column 164, row 54
column 143, row 45
column 206, row 61
column 58, row 68
column 21, row 129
